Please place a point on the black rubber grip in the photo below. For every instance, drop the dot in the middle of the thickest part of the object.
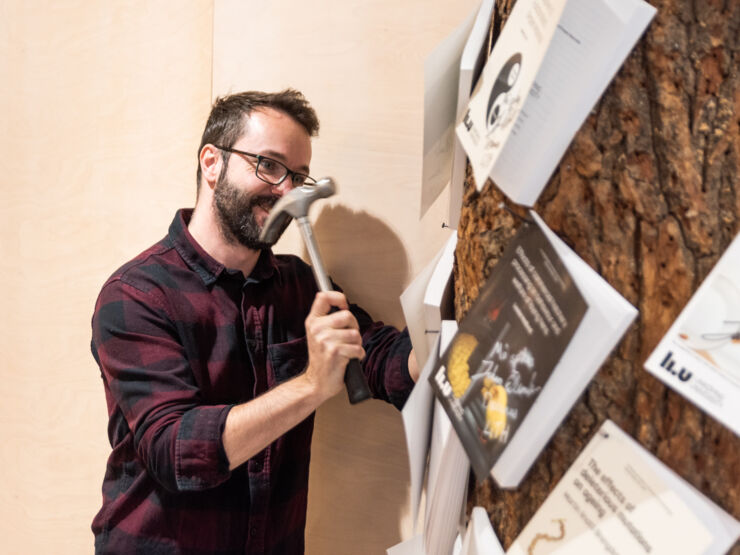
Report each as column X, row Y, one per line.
column 354, row 379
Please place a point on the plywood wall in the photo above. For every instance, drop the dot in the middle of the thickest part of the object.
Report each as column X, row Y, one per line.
column 102, row 106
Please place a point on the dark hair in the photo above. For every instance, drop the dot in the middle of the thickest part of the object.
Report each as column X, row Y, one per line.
column 225, row 122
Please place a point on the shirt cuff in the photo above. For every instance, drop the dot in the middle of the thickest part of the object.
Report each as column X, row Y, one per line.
column 200, row 459
column 398, row 382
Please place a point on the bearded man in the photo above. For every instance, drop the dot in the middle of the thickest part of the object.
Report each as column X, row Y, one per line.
column 215, row 353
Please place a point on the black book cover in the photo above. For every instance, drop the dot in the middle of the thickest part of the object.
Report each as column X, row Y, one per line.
column 507, row 346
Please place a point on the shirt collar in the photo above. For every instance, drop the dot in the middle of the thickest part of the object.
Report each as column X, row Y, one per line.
column 208, row 268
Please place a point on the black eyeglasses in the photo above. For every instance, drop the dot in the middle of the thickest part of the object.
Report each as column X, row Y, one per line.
column 272, row 171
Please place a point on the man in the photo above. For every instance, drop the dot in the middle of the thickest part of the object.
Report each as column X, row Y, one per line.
column 215, row 353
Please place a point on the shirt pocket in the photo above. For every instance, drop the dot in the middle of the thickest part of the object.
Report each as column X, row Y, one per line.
column 287, row 360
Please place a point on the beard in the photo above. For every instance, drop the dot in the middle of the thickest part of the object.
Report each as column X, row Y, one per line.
column 235, row 214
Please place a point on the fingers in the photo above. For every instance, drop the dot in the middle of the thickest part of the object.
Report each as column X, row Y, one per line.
column 325, row 300
column 333, row 340
column 335, row 334
column 346, row 343
column 320, row 317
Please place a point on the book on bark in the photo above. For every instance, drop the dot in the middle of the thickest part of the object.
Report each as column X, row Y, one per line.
column 549, row 66
column 541, row 327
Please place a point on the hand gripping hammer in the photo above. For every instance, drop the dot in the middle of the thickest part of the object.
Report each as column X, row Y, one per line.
column 295, row 204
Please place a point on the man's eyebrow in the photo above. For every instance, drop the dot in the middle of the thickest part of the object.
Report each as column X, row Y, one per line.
column 278, row 156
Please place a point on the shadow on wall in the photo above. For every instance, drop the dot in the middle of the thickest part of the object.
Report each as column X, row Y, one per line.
column 365, row 258
column 359, row 470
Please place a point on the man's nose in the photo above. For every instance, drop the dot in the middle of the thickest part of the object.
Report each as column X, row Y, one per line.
column 285, row 186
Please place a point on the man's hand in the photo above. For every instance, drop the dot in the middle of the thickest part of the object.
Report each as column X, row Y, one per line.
column 413, row 366
column 333, row 339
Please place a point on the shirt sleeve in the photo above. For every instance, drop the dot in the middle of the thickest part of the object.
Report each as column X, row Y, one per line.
column 148, row 378
column 386, row 359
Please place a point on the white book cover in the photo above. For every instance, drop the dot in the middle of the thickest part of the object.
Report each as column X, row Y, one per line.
column 699, row 357
column 440, row 111
column 418, row 298
column 446, row 487
column 417, row 421
column 549, row 66
column 417, row 424
column 411, row 546
column 543, row 324
column 438, row 297
column 618, row 499
column 480, row 539
column 471, row 65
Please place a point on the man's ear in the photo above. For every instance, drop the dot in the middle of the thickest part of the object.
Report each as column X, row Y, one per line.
column 210, row 160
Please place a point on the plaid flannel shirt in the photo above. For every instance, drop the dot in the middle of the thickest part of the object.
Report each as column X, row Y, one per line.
column 180, row 339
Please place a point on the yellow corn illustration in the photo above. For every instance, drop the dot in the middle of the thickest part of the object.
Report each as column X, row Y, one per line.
column 458, row 371
column 496, row 401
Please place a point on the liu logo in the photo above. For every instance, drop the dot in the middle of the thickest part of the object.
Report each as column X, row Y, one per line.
column 669, row 363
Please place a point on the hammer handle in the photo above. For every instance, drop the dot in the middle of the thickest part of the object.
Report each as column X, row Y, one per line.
column 354, row 379
column 355, row 382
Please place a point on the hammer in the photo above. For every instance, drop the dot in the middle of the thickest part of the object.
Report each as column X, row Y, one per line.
column 295, row 204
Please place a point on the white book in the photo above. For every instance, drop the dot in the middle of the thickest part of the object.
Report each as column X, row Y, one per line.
column 549, row 66
column 480, row 539
column 417, row 416
column 542, row 325
column 411, row 546
column 699, row 357
column 447, row 486
column 440, row 111
column 438, row 297
column 617, row 498
column 417, row 424
column 425, row 301
column 471, row 65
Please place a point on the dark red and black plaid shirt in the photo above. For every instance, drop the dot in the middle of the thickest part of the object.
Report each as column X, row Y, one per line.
column 180, row 339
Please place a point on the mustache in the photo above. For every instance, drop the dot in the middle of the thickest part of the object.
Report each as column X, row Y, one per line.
column 266, row 202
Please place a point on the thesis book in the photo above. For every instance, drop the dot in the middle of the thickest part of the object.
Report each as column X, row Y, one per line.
column 450, row 72
column 548, row 68
column 427, row 300
column 429, row 435
column 699, row 357
column 617, row 498
column 471, row 65
column 480, row 538
column 541, row 327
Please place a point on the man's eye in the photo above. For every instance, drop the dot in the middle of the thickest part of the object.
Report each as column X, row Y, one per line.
column 298, row 179
column 268, row 164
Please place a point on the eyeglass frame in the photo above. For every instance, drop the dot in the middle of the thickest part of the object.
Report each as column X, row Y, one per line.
column 308, row 180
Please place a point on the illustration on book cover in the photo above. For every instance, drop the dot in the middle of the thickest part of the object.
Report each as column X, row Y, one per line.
column 504, row 101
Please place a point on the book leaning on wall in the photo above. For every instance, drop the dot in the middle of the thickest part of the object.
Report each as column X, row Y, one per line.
column 541, row 327
column 617, row 498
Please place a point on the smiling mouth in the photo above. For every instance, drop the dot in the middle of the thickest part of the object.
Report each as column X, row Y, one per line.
column 266, row 203
column 262, row 207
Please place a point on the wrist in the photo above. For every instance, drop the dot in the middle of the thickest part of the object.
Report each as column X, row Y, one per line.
column 311, row 388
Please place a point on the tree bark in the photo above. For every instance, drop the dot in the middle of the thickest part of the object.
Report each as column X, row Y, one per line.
column 647, row 194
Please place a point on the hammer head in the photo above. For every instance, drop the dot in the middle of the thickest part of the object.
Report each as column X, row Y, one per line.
column 294, row 204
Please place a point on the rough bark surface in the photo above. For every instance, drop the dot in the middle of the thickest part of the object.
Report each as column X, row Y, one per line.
column 648, row 194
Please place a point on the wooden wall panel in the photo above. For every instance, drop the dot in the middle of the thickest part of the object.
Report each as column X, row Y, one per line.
column 102, row 106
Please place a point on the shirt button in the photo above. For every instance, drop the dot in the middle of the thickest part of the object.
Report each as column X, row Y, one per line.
column 256, row 466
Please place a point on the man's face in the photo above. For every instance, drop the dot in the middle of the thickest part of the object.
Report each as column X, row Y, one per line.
column 241, row 200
